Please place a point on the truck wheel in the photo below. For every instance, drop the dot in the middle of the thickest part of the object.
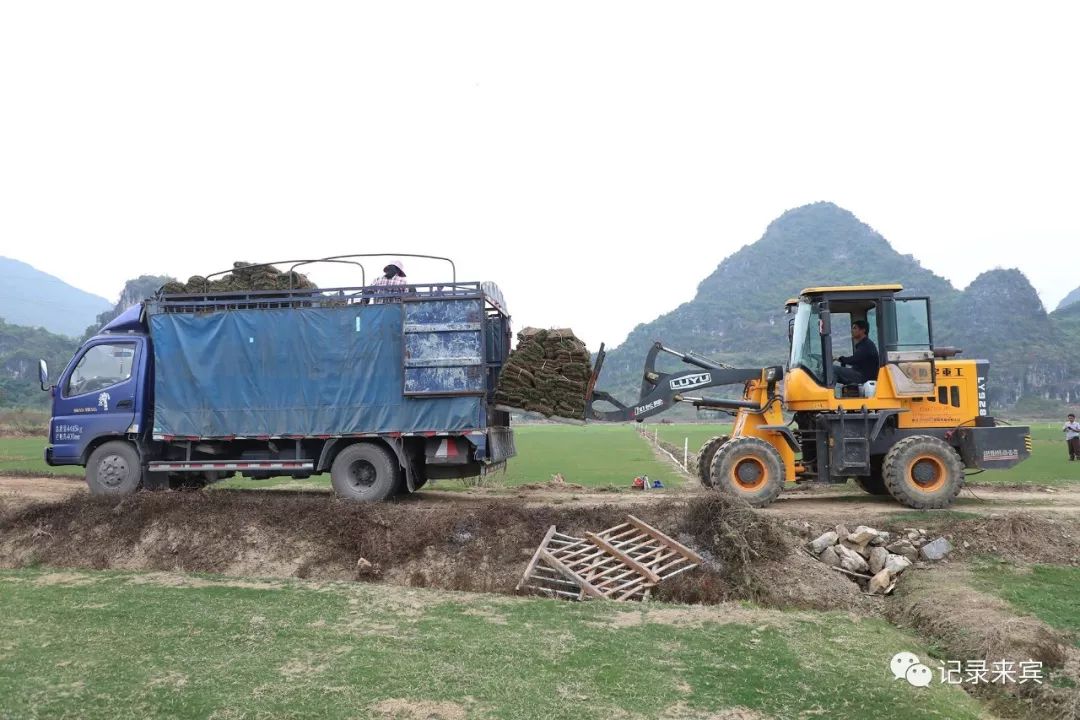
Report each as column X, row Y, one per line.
column 923, row 472
column 874, row 483
column 748, row 468
column 705, row 456
column 114, row 469
column 365, row 472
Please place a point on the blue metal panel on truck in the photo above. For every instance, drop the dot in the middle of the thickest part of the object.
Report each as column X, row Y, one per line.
column 444, row 347
column 292, row 371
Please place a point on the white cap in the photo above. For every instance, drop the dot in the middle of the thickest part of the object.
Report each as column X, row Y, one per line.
column 396, row 262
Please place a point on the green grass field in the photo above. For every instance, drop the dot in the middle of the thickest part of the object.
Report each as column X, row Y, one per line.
column 601, row 455
column 26, row 454
column 123, row 645
column 1046, row 591
column 591, row 455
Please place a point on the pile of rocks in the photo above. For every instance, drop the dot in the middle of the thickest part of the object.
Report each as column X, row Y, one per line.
column 876, row 557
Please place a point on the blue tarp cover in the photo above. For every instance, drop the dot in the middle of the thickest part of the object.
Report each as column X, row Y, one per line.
column 316, row 371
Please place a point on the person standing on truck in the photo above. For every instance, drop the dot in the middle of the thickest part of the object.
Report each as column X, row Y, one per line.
column 1072, row 436
column 391, row 281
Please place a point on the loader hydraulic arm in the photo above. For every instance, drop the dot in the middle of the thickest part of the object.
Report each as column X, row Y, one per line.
column 660, row 391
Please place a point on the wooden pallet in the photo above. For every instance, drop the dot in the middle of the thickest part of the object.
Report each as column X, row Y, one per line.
column 621, row 563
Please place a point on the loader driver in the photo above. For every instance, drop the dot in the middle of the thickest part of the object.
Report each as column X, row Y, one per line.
column 863, row 362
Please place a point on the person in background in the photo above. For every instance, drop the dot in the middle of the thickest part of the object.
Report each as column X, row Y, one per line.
column 1072, row 436
column 392, row 279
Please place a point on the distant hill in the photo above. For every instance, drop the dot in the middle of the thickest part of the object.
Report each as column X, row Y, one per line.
column 20, row 349
column 1070, row 299
column 32, row 298
column 1001, row 318
column 737, row 315
column 134, row 292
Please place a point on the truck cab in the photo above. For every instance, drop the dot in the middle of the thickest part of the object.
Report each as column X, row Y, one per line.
column 102, row 391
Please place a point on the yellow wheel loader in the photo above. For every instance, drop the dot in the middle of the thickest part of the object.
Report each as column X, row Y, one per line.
column 910, row 431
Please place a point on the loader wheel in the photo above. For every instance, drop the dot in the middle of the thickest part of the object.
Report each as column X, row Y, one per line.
column 874, row 483
column 923, row 472
column 748, row 468
column 114, row 469
column 365, row 472
column 705, row 456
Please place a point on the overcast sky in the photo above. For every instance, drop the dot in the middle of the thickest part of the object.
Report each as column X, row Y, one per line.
column 597, row 160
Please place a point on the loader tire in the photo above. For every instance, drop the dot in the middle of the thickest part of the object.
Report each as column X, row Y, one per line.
column 365, row 472
column 923, row 472
column 115, row 469
column 874, row 483
column 748, row 468
column 705, row 456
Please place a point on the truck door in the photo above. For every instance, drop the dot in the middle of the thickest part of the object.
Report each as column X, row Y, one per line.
column 95, row 396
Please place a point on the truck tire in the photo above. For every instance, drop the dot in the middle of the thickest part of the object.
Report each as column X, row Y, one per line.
column 114, row 468
column 748, row 468
column 874, row 483
column 705, row 456
column 365, row 472
column 923, row 472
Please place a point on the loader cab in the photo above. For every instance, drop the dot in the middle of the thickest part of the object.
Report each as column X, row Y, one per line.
column 821, row 333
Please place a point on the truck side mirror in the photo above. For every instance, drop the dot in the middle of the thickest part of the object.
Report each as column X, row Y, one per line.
column 43, row 374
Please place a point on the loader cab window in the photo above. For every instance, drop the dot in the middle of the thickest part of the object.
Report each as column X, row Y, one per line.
column 806, row 342
column 909, row 324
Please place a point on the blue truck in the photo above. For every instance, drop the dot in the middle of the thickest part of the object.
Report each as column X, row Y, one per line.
column 384, row 387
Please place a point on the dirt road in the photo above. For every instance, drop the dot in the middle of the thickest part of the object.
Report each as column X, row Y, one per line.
column 810, row 502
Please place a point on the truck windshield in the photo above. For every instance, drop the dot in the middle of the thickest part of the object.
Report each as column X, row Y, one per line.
column 806, row 342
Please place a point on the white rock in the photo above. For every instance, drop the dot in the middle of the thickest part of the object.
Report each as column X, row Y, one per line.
column 882, row 538
column 877, row 559
column 862, row 535
column 823, row 541
column 879, row 583
column 863, row 550
column 841, row 531
column 936, row 550
column 829, row 557
column 851, row 560
column 904, row 548
column 897, row 564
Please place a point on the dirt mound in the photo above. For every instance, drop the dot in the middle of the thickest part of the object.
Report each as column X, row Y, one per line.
column 1023, row 537
column 482, row 548
column 752, row 556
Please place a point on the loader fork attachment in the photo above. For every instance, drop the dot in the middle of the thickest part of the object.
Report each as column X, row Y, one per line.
column 660, row 390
